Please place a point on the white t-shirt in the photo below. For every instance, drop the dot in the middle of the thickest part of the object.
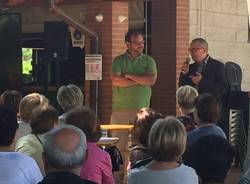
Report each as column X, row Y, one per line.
column 17, row 168
column 180, row 175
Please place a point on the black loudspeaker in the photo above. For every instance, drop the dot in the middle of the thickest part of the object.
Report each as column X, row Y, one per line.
column 10, row 52
column 71, row 70
column 56, row 40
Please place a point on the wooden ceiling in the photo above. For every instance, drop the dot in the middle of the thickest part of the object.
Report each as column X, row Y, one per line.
column 8, row 3
column 5, row 3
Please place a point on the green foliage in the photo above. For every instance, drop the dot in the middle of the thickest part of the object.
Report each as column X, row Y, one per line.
column 27, row 58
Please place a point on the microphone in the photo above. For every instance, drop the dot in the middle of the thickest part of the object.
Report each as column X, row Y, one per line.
column 185, row 66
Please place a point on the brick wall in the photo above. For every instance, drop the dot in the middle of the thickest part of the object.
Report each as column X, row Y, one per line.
column 111, row 34
column 170, row 39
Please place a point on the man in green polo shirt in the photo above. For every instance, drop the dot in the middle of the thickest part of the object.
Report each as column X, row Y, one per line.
column 133, row 73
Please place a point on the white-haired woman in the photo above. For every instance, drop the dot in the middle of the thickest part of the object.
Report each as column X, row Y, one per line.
column 185, row 96
column 69, row 97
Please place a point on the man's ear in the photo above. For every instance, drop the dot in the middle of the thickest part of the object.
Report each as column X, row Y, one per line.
column 86, row 156
column 127, row 43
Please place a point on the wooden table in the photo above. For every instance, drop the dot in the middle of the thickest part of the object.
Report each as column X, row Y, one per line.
column 117, row 127
column 121, row 127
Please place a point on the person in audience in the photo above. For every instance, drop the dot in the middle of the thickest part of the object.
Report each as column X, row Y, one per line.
column 43, row 119
column 98, row 166
column 211, row 156
column 27, row 104
column 185, row 96
column 64, row 152
column 167, row 141
column 206, row 113
column 69, row 97
column 145, row 118
column 15, row 168
column 12, row 99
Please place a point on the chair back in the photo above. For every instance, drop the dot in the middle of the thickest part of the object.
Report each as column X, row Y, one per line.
column 237, row 135
column 233, row 75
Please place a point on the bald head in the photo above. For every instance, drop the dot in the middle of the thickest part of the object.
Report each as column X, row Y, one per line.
column 67, row 140
column 65, row 147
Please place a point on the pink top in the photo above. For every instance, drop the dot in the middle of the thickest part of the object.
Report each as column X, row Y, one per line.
column 98, row 166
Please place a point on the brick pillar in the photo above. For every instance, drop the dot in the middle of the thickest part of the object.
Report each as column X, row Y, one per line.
column 170, row 39
column 111, row 33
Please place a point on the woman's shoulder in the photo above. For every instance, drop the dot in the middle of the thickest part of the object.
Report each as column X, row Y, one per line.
column 95, row 151
column 188, row 173
column 137, row 171
column 29, row 139
column 187, row 168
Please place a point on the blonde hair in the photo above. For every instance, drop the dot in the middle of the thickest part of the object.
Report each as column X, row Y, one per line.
column 69, row 97
column 185, row 96
column 28, row 103
column 167, row 139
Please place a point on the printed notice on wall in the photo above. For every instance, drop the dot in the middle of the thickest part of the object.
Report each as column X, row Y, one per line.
column 93, row 67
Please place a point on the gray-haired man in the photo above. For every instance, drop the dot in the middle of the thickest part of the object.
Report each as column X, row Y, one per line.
column 64, row 153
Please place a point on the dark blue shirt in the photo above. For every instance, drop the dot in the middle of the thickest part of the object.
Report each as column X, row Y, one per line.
column 211, row 129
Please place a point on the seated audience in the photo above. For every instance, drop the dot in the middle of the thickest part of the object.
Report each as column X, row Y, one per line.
column 211, row 156
column 64, row 153
column 69, row 97
column 206, row 113
column 145, row 118
column 43, row 119
column 167, row 141
column 27, row 104
column 12, row 99
column 98, row 166
column 185, row 96
column 15, row 168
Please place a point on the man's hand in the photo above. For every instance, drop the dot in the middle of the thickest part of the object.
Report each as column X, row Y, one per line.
column 128, row 76
column 122, row 81
column 196, row 79
column 185, row 68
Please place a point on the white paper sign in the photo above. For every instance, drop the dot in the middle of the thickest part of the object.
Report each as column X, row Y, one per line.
column 93, row 67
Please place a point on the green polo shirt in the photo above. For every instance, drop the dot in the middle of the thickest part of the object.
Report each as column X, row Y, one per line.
column 133, row 97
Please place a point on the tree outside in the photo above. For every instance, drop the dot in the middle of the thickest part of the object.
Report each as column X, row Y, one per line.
column 26, row 61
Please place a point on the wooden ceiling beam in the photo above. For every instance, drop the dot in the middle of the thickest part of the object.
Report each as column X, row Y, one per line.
column 6, row 3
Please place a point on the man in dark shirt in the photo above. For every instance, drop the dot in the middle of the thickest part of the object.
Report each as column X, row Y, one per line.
column 205, row 74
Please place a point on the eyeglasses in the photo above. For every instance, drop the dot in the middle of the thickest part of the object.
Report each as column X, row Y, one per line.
column 138, row 43
column 194, row 49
